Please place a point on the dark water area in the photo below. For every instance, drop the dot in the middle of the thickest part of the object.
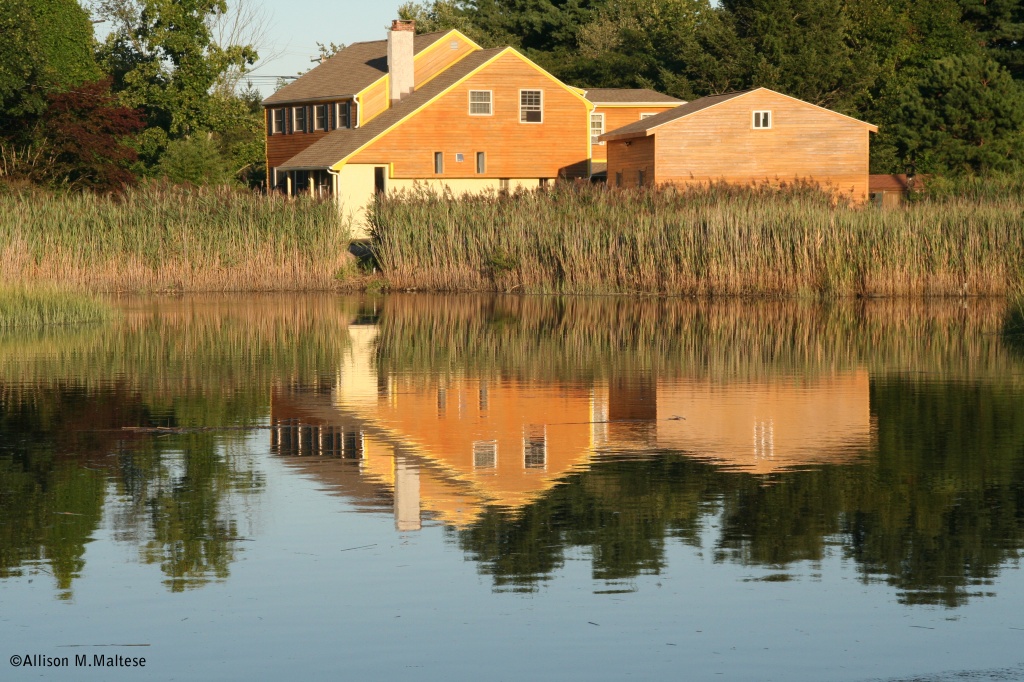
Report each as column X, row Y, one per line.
column 433, row 487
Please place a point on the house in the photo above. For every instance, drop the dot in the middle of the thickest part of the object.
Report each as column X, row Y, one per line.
column 618, row 107
column 892, row 190
column 745, row 137
column 433, row 108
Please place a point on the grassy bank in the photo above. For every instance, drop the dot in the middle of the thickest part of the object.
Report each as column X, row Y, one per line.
column 160, row 238
column 708, row 241
column 32, row 308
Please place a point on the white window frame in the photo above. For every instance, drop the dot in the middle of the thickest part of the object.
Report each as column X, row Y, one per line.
column 438, row 163
column 540, row 107
column 758, row 117
column 593, row 137
column 648, row 114
column 339, row 107
column 489, row 103
column 327, row 117
column 276, row 129
column 481, row 163
column 295, row 119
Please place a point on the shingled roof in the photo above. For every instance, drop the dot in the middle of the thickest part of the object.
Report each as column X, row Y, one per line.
column 641, row 127
column 629, row 96
column 347, row 72
column 340, row 143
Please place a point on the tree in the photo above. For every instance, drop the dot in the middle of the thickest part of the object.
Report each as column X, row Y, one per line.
column 164, row 59
column 958, row 114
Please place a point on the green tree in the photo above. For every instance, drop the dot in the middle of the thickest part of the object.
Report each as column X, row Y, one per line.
column 958, row 114
column 164, row 60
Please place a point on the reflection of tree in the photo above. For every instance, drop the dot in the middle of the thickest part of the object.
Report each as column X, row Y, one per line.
column 65, row 396
column 936, row 512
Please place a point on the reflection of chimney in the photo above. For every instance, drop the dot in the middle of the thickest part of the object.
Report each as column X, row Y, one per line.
column 407, row 495
column 400, row 58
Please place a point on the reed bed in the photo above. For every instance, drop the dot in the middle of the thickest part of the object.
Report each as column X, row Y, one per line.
column 161, row 238
column 31, row 308
column 708, row 241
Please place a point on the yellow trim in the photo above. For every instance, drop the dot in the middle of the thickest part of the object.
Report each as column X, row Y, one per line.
column 589, row 105
column 416, row 56
column 644, row 105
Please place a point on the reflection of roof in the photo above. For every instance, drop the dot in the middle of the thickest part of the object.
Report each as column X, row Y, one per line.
column 347, row 72
column 629, row 96
column 340, row 143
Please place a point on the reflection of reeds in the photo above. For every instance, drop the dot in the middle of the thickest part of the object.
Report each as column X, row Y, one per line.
column 707, row 241
column 572, row 337
column 227, row 351
column 156, row 239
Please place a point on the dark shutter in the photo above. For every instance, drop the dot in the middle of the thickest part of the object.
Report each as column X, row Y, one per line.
column 288, row 120
column 333, row 125
column 270, row 121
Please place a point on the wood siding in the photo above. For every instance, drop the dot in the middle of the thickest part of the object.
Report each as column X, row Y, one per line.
column 373, row 101
column 804, row 143
column 440, row 56
column 629, row 157
column 616, row 117
column 557, row 146
column 283, row 146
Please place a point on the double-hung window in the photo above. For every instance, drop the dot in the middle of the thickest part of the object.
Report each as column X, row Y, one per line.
column 480, row 103
column 320, row 117
column 277, row 122
column 344, row 114
column 531, row 106
column 299, row 125
column 596, row 128
column 762, row 120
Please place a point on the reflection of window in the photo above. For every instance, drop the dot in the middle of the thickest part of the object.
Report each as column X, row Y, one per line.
column 442, row 400
column 531, row 107
column 535, row 447
column 353, row 445
column 485, row 454
column 483, row 398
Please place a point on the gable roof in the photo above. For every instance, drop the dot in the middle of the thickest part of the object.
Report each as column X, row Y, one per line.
column 629, row 96
column 338, row 144
column 347, row 72
column 645, row 126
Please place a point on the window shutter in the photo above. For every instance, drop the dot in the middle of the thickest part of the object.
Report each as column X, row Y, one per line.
column 333, row 125
column 288, row 125
column 270, row 120
column 310, row 119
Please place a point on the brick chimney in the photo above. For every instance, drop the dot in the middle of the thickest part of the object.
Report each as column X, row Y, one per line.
column 400, row 51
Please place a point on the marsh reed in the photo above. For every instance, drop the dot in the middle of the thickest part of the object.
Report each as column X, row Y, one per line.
column 708, row 241
column 35, row 307
column 161, row 238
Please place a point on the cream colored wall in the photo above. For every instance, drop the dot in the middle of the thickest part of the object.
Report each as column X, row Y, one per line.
column 355, row 190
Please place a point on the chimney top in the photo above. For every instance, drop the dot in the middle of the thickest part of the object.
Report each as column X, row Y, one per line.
column 403, row 25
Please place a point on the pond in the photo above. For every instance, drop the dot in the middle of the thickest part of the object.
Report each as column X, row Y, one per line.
column 454, row 487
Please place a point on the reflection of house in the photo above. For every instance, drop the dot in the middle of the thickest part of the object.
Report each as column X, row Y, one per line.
column 746, row 137
column 755, row 426
column 450, row 446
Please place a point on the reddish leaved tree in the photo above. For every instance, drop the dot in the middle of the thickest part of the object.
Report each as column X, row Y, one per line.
column 84, row 132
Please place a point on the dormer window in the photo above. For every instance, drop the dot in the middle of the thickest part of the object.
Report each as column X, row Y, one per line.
column 278, row 122
column 762, row 120
column 344, row 114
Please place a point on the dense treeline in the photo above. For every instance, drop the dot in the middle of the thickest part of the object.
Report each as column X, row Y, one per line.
column 942, row 79
column 157, row 98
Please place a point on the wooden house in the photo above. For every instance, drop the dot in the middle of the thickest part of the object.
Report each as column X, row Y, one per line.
column 618, row 107
column 754, row 136
column 434, row 109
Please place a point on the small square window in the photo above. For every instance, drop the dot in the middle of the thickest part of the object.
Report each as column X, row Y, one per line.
column 459, row 157
column 480, row 103
column 762, row 120
column 647, row 114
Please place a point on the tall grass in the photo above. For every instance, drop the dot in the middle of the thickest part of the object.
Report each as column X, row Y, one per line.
column 701, row 241
column 159, row 238
column 28, row 308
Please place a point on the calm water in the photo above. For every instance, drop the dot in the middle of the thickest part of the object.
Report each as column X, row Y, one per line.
column 515, row 488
